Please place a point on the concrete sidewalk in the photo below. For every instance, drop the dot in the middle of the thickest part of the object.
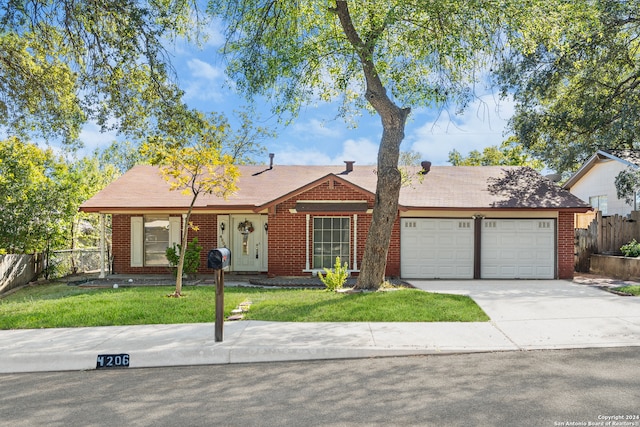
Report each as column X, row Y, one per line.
column 541, row 314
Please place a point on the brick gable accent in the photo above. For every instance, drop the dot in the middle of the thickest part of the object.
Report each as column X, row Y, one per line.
column 287, row 231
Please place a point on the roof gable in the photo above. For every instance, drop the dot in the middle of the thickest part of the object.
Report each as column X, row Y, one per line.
column 629, row 158
column 330, row 178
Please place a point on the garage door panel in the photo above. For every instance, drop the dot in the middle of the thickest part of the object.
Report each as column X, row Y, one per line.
column 436, row 248
column 518, row 249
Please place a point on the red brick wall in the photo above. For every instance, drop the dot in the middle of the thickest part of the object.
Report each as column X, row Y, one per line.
column 565, row 245
column 207, row 235
column 393, row 257
column 120, row 243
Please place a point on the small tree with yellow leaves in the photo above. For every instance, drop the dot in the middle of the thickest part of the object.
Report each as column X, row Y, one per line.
column 195, row 166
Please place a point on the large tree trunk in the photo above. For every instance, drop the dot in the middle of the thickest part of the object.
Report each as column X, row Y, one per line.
column 385, row 209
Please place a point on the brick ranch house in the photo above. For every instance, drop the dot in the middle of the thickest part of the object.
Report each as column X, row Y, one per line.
column 453, row 222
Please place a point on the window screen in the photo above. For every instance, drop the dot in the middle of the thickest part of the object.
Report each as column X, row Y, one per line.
column 330, row 240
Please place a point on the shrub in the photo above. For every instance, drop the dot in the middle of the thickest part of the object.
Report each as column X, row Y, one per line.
column 191, row 257
column 631, row 249
column 335, row 278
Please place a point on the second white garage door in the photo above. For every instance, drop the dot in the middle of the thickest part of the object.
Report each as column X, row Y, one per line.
column 436, row 248
column 518, row 249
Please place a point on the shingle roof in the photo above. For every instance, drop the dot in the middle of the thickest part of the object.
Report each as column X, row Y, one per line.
column 456, row 187
column 630, row 156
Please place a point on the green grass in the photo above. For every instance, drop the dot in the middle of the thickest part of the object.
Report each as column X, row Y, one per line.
column 631, row 289
column 406, row 305
column 60, row 305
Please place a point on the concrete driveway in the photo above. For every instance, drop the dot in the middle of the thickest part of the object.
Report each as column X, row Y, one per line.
column 536, row 314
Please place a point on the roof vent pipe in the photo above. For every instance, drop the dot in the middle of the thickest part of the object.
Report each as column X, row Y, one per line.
column 349, row 164
column 426, row 167
column 271, row 156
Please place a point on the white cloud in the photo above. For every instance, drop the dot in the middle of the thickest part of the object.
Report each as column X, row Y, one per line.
column 314, row 128
column 204, row 82
column 202, row 69
column 361, row 150
column 290, row 155
column 481, row 125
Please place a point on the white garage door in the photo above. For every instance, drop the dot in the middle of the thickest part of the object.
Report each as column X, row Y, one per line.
column 434, row 248
column 518, row 249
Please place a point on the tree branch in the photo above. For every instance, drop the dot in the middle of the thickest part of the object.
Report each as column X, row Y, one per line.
column 376, row 93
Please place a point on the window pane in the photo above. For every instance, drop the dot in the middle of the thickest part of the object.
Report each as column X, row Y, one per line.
column 156, row 240
column 602, row 204
column 317, row 260
column 327, row 261
column 345, row 251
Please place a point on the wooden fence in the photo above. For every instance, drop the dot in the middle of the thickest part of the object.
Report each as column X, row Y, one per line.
column 17, row 270
column 603, row 235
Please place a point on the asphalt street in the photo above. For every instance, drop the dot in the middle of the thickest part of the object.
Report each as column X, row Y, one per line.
column 516, row 388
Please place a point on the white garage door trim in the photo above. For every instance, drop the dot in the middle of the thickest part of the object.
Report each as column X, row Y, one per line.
column 436, row 248
column 518, row 249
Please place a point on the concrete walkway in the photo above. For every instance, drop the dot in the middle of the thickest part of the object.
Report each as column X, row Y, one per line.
column 540, row 314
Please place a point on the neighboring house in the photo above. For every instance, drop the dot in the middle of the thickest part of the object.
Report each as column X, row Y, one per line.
column 594, row 182
column 454, row 222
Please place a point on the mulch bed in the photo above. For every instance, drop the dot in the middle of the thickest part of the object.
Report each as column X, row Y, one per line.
column 250, row 280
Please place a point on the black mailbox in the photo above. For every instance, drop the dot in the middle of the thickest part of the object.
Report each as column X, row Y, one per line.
column 219, row 258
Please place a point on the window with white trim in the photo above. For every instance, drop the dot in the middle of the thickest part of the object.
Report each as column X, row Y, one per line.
column 331, row 239
column 151, row 235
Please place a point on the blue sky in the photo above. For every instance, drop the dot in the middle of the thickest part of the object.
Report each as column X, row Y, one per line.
column 317, row 136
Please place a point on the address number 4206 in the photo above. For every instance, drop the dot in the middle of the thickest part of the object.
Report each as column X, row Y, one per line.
column 112, row 361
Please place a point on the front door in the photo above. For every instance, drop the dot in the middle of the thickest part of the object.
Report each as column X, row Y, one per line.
column 248, row 241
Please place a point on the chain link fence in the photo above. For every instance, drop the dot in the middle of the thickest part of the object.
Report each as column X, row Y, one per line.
column 72, row 261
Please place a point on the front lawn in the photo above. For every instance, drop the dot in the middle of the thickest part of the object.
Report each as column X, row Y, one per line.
column 60, row 305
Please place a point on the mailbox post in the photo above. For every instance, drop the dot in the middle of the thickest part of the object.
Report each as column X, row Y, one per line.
column 219, row 259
